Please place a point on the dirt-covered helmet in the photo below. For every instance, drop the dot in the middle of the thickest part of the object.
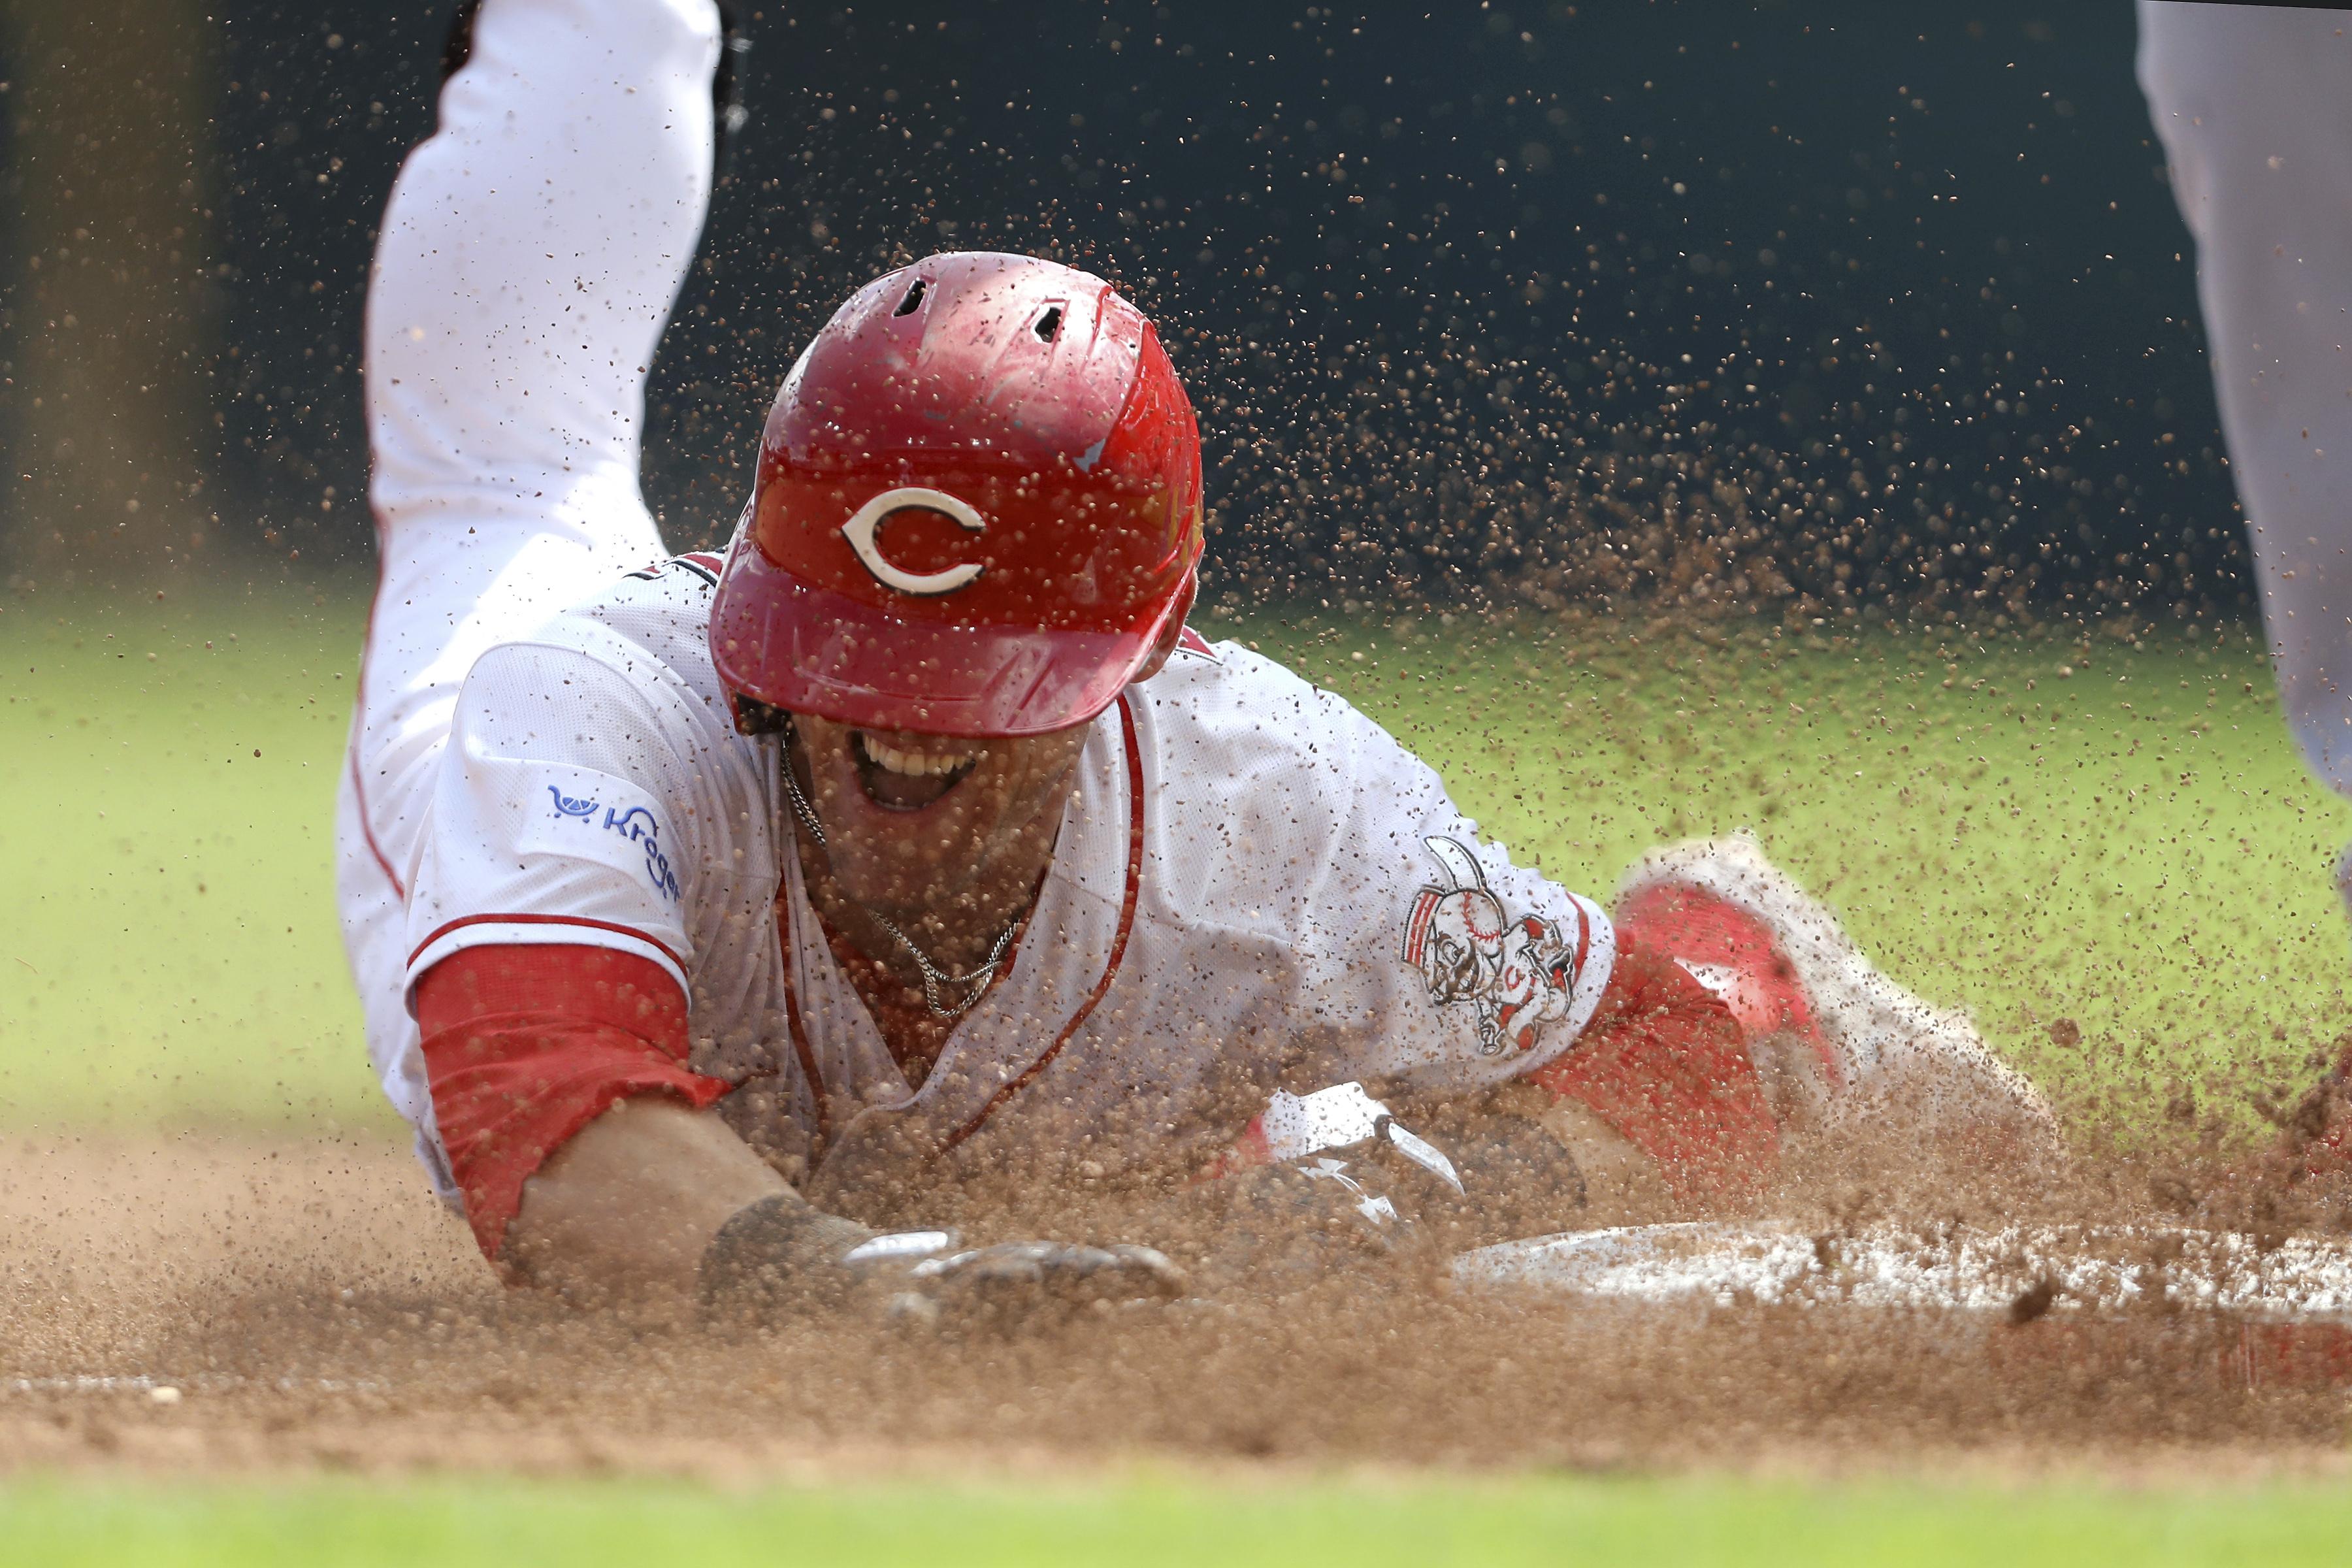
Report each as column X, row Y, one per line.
column 978, row 506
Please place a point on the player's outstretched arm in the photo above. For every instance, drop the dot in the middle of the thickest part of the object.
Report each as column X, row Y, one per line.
column 656, row 1203
column 527, row 261
column 628, row 1207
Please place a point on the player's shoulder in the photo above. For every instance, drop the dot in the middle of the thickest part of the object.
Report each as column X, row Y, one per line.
column 678, row 588
column 1225, row 694
column 658, row 616
column 1256, row 776
column 1231, row 681
column 644, row 634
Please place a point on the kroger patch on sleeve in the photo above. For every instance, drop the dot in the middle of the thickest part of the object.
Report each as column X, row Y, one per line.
column 530, row 851
column 587, row 815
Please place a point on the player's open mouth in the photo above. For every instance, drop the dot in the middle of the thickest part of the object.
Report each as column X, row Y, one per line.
column 905, row 778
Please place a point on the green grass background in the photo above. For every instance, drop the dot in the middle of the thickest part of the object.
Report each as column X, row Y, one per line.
column 168, row 944
column 1417, row 1523
column 2133, row 846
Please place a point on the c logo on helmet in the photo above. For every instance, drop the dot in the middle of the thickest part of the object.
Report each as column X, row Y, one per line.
column 860, row 529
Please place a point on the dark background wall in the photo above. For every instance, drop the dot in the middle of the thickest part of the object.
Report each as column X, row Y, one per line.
column 1822, row 308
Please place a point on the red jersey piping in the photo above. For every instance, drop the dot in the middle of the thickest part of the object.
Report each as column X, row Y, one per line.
column 1118, row 943
column 548, row 921
column 801, row 1046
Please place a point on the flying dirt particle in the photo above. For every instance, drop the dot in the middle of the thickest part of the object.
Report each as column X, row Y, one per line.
column 1252, row 1442
column 2065, row 1032
column 2033, row 1300
column 2175, row 1194
column 163, row 1393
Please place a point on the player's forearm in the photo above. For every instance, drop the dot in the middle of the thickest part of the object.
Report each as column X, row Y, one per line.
column 655, row 1206
column 628, row 1207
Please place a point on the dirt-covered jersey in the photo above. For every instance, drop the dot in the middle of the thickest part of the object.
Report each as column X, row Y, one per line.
column 1254, row 887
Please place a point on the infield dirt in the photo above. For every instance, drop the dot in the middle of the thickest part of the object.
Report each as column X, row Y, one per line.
column 315, row 1309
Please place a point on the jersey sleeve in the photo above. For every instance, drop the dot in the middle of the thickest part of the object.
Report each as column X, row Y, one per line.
column 1439, row 961
column 526, row 1045
column 564, row 813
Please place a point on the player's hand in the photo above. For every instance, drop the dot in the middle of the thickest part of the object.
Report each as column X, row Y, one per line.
column 1272, row 1230
column 1518, row 1177
column 1318, row 1186
column 781, row 1258
column 1017, row 1281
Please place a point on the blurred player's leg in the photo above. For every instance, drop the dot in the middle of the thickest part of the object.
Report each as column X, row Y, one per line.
column 2254, row 105
column 527, row 261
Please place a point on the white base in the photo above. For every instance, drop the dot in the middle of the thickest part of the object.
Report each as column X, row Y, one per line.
column 1938, row 1268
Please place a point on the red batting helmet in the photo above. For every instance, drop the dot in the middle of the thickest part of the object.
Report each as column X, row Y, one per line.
column 978, row 506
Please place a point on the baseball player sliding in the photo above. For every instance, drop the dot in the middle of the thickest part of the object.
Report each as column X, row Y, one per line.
column 738, row 923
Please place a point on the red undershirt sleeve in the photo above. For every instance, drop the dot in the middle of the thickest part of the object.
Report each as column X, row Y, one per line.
column 525, row 1046
column 1665, row 1063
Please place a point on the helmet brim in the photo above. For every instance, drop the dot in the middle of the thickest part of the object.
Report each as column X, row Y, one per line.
column 808, row 649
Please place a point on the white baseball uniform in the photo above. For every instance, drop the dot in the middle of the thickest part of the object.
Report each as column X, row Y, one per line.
column 2255, row 107
column 1254, row 886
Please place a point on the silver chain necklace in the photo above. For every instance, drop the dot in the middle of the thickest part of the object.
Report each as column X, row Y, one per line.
column 978, row 981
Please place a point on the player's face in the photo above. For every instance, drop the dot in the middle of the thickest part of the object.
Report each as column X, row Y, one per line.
column 911, row 821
